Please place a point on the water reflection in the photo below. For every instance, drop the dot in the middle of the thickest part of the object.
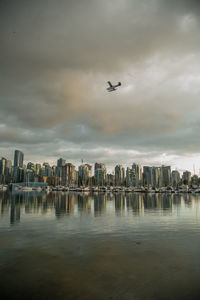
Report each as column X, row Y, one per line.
column 135, row 203
column 62, row 204
column 14, row 212
column 119, row 203
column 84, row 203
column 99, row 204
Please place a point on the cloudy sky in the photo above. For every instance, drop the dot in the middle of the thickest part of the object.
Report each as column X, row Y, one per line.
column 56, row 58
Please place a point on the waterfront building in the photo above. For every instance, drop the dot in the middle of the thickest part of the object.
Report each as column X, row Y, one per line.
column 69, row 175
column 60, row 163
column 175, row 178
column 165, row 175
column 147, row 176
column 47, row 170
column 85, row 174
column 18, row 174
column 136, row 175
column 186, row 178
column 110, row 179
column 119, row 175
column 98, row 166
column 42, row 172
column 3, row 165
column 30, row 166
column 194, row 180
column 100, row 174
column 54, row 170
column 3, row 170
column 8, row 169
column 51, row 181
column 29, row 175
column 128, row 176
column 18, row 159
column 156, row 179
column 37, row 169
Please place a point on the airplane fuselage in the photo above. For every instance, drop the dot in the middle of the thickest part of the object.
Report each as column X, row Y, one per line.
column 111, row 87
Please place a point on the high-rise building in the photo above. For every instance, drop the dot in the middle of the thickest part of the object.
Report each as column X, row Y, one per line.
column 18, row 159
column 166, row 175
column 8, row 167
column 37, row 168
column 128, row 177
column 42, row 172
column 147, row 176
column 29, row 175
column 18, row 174
column 195, row 180
column 110, row 179
column 100, row 174
column 85, row 174
column 69, row 175
column 3, row 165
column 136, row 175
column 119, row 175
column 155, row 181
column 30, row 166
column 54, row 170
column 48, row 170
column 3, row 170
column 99, row 166
column 186, row 178
column 60, row 163
column 175, row 178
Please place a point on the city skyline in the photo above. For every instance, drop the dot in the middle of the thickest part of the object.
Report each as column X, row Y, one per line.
column 110, row 168
column 19, row 162
column 57, row 59
column 65, row 173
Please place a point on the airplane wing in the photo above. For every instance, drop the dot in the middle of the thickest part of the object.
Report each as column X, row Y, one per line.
column 110, row 84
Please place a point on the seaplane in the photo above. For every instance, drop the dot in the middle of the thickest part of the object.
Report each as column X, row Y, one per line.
column 111, row 87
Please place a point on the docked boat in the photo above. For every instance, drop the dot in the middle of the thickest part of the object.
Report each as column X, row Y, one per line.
column 27, row 188
column 3, row 188
column 38, row 189
column 85, row 189
column 128, row 190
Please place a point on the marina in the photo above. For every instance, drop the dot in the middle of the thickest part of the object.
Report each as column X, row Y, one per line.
column 100, row 189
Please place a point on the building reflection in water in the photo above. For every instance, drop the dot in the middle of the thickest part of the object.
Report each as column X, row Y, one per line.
column 14, row 212
column 134, row 203
column 119, row 202
column 63, row 204
column 4, row 203
column 162, row 202
column 84, row 203
column 99, row 204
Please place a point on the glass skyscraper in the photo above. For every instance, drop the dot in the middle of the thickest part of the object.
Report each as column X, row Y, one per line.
column 18, row 159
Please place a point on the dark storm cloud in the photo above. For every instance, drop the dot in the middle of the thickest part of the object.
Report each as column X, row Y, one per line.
column 56, row 57
column 181, row 6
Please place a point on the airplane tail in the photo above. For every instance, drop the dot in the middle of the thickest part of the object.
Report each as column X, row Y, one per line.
column 119, row 83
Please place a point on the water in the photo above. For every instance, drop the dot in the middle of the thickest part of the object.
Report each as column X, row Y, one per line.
column 99, row 246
